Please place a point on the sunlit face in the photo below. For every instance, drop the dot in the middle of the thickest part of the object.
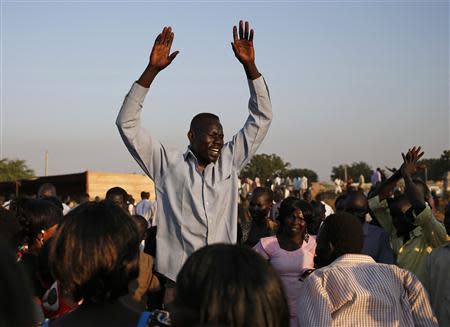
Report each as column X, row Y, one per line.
column 207, row 142
column 295, row 223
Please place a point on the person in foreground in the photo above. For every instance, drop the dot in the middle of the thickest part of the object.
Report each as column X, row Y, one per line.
column 228, row 285
column 197, row 190
column 351, row 289
column 94, row 255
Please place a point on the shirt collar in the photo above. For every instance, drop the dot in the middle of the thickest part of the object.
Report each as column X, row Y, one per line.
column 188, row 152
column 416, row 232
column 352, row 258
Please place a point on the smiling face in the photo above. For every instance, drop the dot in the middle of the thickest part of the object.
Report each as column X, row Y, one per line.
column 295, row 223
column 206, row 141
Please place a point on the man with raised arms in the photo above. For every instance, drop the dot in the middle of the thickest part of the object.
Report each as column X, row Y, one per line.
column 197, row 190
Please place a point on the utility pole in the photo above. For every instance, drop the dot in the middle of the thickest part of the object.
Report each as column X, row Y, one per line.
column 46, row 162
column 345, row 173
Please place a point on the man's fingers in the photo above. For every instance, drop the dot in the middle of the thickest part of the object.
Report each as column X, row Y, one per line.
column 404, row 157
column 251, row 35
column 235, row 36
column 236, row 52
column 241, row 30
column 158, row 39
column 170, row 39
column 246, row 31
column 420, row 155
column 173, row 55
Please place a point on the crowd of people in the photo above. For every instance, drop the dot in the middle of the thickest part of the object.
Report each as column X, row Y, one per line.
column 210, row 253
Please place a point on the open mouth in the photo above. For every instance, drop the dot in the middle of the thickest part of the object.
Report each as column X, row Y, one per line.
column 214, row 151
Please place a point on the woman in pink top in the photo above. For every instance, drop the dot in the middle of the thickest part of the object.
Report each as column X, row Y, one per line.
column 291, row 251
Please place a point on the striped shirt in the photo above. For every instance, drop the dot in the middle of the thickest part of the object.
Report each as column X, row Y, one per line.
column 354, row 290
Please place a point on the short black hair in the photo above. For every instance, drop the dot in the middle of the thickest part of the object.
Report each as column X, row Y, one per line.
column 145, row 195
column 199, row 119
column 106, row 242
column 229, row 285
column 344, row 231
column 263, row 190
column 46, row 189
column 116, row 190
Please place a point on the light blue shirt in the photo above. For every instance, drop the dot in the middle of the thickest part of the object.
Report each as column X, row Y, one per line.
column 194, row 209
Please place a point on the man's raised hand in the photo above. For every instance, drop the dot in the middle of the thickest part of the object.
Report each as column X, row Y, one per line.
column 243, row 49
column 243, row 45
column 410, row 165
column 160, row 57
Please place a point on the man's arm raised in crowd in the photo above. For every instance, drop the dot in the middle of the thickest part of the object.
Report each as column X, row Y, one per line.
column 149, row 154
column 160, row 57
column 246, row 142
column 409, row 168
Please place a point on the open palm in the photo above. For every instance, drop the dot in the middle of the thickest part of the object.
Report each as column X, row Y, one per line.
column 243, row 44
column 160, row 57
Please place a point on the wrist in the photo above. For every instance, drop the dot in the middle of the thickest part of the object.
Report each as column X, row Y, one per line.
column 251, row 71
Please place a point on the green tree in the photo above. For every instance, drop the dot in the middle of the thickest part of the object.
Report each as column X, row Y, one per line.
column 354, row 171
column 11, row 170
column 310, row 174
column 437, row 167
column 264, row 166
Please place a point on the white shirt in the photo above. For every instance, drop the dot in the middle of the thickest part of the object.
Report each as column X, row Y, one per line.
column 146, row 209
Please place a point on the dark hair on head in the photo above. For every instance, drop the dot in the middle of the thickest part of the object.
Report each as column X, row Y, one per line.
column 344, row 231
column 16, row 304
column 106, row 243
column 263, row 191
column 35, row 216
column 46, row 189
column 447, row 218
column 318, row 213
column 145, row 195
column 339, row 203
column 9, row 227
column 141, row 224
column 116, row 191
column 199, row 119
column 229, row 285
column 288, row 207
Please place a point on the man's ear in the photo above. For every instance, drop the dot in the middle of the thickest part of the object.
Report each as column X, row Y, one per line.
column 190, row 136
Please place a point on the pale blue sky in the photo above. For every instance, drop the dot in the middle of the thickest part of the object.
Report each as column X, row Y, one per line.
column 349, row 81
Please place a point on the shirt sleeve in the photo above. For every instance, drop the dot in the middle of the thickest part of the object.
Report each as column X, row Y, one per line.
column 313, row 305
column 261, row 251
column 246, row 142
column 418, row 300
column 386, row 254
column 381, row 211
column 149, row 154
column 433, row 230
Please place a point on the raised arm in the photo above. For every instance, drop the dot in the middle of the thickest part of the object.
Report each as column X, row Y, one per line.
column 246, row 142
column 408, row 169
column 148, row 153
